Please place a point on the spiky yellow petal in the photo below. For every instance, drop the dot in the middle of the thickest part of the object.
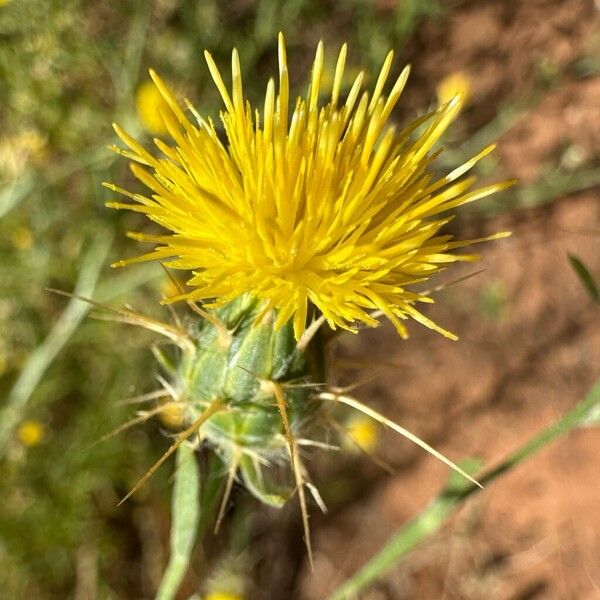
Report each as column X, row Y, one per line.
column 324, row 208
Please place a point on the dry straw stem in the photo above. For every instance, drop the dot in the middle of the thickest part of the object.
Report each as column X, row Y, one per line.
column 357, row 405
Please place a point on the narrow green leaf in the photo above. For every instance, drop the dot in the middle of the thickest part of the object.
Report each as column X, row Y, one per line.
column 42, row 357
column 184, row 525
column 586, row 278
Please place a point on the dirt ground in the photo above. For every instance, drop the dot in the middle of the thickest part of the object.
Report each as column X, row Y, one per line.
column 529, row 348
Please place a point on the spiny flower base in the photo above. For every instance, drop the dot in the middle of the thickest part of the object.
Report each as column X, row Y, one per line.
column 260, row 380
column 251, row 392
column 243, row 387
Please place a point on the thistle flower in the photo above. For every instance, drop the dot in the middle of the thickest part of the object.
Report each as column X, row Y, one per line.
column 322, row 206
column 323, row 209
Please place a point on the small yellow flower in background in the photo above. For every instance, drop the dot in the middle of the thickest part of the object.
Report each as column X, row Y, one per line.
column 4, row 2
column 306, row 206
column 33, row 143
column 363, row 432
column 455, row 84
column 21, row 238
column 149, row 105
column 31, row 433
column 223, row 596
column 20, row 150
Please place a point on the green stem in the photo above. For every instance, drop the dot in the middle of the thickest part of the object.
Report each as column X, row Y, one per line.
column 184, row 527
column 193, row 510
column 433, row 517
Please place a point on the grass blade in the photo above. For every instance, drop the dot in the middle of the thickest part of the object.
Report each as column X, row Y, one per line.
column 586, row 278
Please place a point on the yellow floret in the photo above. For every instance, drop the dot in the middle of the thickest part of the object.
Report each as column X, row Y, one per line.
column 21, row 238
column 364, row 433
column 455, row 84
column 30, row 433
column 223, row 596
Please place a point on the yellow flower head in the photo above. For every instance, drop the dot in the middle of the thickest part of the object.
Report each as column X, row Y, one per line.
column 455, row 84
column 363, row 432
column 308, row 205
column 22, row 238
column 223, row 596
column 31, row 433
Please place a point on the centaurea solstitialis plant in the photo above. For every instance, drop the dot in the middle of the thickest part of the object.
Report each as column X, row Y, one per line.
column 305, row 216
